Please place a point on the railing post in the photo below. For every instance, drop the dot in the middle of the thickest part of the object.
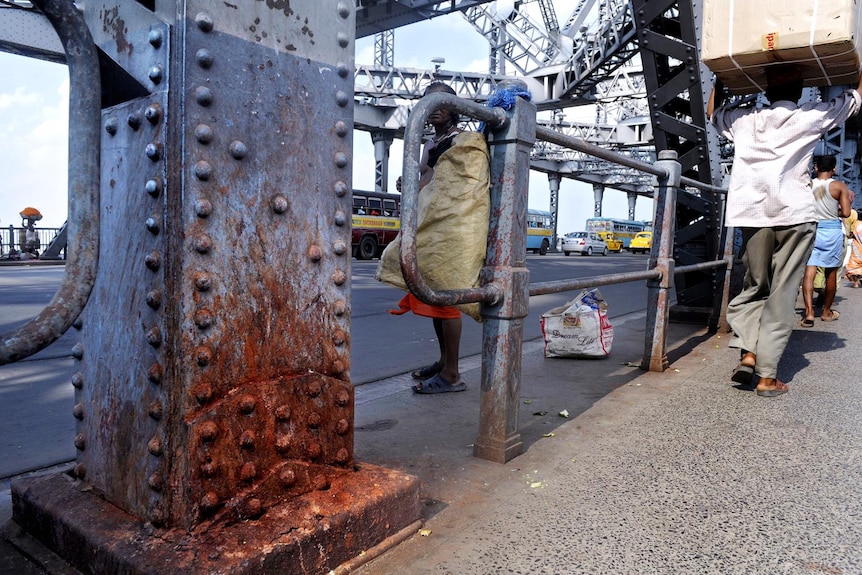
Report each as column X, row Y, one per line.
column 505, row 265
column 661, row 258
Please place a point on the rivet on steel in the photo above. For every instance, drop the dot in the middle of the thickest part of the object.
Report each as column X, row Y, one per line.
column 203, row 170
column 315, row 254
column 315, row 450
column 342, row 427
column 238, row 150
column 340, row 188
column 78, row 380
column 203, row 96
column 78, row 323
column 340, row 218
column 80, row 442
column 204, row 58
column 282, row 412
column 210, row 501
column 339, row 247
column 154, row 299
column 287, row 477
column 134, row 120
column 279, row 204
column 344, row 9
column 246, row 404
column 209, row 469
column 153, row 113
column 338, row 367
column 315, row 388
column 282, row 442
column 154, row 337
column 342, row 99
column 155, row 481
column 248, row 472
column 111, row 125
column 155, row 38
column 203, row 356
column 342, row 455
column 77, row 351
column 246, row 440
column 153, row 187
column 252, row 508
column 153, row 226
column 339, row 277
column 157, row 516
column 204, row 22
column 203, row 318
column 321, row 482
column 155, row 74
column 154, row 446
column 203, row 393
column 342, row 397
column 343, row 39
column 339, row 308
column 204, row 134
column 155, row 373
column 341, row 159
column 156, row 410
column 338, row 337
column 341, row 129
column 153, row 261
column 314, row 420
column 153, row 151
column 343, row 69
column 78, row 411
column 203, row 281
column 208, row 431
column 203, row 243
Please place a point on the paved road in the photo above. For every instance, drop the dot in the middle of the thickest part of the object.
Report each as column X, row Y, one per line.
column 36, row 427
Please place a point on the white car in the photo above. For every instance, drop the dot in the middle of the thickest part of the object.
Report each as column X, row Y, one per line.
column 585, row 243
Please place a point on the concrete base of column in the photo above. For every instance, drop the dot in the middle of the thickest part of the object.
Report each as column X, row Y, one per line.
column 497, row 451
column 318, row 531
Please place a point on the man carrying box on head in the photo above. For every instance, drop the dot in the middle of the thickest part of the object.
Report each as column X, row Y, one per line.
column 770, row 200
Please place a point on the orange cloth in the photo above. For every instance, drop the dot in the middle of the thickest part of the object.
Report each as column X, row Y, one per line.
column 410, row 303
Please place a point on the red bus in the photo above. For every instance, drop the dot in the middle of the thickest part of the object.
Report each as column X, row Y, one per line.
column 376, row 221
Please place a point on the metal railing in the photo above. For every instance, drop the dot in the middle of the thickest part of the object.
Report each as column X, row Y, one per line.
column 13, row 240
column 504, row 288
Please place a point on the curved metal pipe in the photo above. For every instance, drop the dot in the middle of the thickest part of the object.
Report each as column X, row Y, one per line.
column 495, row 118
column 82, row 248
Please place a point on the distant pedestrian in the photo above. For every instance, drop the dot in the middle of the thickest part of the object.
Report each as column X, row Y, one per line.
column 832, row 202
column 770, row 200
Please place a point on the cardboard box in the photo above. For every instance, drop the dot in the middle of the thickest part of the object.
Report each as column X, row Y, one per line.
column 742, row 37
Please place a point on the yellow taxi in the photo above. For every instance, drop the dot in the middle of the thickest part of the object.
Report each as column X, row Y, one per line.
column 609, row 238
column 641, row 243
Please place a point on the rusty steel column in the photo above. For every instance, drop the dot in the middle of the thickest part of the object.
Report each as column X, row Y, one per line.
column 505, row 264
column 214, row 408
column 661, row 258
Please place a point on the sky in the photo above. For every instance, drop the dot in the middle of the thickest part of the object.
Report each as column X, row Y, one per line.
column 34, row 128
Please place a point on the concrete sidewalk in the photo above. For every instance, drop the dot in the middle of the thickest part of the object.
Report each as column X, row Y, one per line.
column 672, row 473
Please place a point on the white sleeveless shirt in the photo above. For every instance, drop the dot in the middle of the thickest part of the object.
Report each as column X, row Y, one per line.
column 825, row 206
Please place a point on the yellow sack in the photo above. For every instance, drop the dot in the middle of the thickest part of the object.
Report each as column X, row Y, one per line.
column 452, row 231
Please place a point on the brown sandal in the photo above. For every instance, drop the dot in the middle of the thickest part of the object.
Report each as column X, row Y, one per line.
column 779, row 389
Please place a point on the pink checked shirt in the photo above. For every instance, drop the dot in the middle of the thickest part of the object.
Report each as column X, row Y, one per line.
column 770, row 181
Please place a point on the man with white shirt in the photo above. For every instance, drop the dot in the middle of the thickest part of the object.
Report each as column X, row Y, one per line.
column 770, row 200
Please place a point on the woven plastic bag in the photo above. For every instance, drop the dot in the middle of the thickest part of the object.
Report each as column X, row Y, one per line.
column 580, row 328
column 452, row 230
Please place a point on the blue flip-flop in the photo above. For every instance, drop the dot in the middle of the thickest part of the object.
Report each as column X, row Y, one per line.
column 425, row 372
column 437, row 384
